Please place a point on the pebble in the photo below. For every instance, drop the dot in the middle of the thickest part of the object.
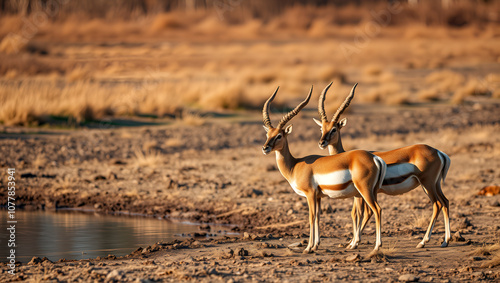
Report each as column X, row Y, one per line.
column 354, row 257
column 408, row 278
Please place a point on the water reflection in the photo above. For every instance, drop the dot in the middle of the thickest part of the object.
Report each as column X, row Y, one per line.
column 74, row 235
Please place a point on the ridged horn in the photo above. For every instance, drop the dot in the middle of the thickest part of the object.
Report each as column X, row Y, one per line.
column 321, row 104
column 295, row 111
column 344, row 105
column 265, row 109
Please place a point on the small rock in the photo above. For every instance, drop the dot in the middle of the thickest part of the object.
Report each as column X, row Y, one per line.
column 35, row 260
column 271, row 167
column 464, row 223
column 246, row 235
column 457, row 237
column 295, row 245
column 115, row 275
column 290, row 212
column 204, row 227
column 112, row 176
column 329, row 209
column 243, row 252
column 99, row 177
column 353, row 257
column 98, row 205
column 408, row 278
column 477, row 274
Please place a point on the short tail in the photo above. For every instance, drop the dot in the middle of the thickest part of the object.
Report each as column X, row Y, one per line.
column 382, row 166
column 446, row 164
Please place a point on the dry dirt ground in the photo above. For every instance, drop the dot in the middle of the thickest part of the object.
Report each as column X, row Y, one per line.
column 216, row 173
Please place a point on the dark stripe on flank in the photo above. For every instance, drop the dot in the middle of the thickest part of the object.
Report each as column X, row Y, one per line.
column 396, row 180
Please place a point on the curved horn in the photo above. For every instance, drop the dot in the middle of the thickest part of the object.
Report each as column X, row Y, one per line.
column 344, row 105
column 321, row 104
column 265, row 109
column 295, row 111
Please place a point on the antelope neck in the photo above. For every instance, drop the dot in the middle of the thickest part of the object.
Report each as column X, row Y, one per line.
column 336, row 149
column 285, row 161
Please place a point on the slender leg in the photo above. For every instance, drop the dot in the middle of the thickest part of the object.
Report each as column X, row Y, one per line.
column 367, row 215
column 446, row 214
column 371, row 200
column 311, row 201
column 355, row 220
column 316, row 225
column 436, row 208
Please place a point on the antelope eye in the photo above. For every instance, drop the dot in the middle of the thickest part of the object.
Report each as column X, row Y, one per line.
column 334, row 130
column 278, row 137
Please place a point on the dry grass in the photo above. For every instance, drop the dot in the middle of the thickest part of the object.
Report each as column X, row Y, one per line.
column 384, row 254
column 474, row 87
column 192, row 119
column 420, row 221
column 149, row 159
column 40, row 161
column 431, row 94
column 445, row 81
column 388, row 93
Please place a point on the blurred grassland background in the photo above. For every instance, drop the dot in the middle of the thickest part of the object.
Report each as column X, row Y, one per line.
column 79, row 61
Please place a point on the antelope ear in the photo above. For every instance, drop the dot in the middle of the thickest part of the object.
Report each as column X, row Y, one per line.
column 288, row 129
column 266, row 128
column 317, row 122
column 342, row 123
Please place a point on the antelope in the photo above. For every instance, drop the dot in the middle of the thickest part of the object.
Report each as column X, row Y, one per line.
column 407, row 168
column 354, row 173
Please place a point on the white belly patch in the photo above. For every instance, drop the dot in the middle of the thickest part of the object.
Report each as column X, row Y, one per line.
column 327, row 182
column 333, row 178
column 349, row 192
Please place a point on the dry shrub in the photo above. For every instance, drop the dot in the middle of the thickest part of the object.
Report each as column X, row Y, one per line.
column 419, row 221
column 430, row 94
column 373, row 70
column 32, row 102
column 383, row 254
column 331, row 73
column 192, row 118
column 168, row 21
column 12, row 44
column 79, row 73
column 389, row 93
column 445, row 81
column 149, row 159
column 474, row 87
column 223, row 97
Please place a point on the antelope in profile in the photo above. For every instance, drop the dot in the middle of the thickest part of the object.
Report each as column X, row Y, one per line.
column 407, row 167
column 354, row 173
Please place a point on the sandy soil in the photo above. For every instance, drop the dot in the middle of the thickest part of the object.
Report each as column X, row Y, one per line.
column 216, row 173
